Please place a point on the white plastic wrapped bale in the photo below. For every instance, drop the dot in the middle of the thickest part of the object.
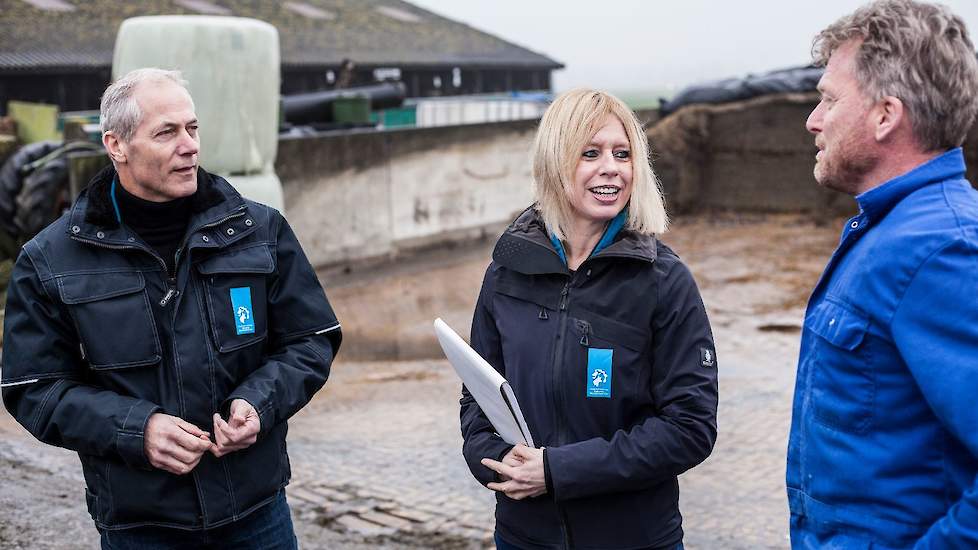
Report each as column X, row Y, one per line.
column 232, row 67
column 263, row 187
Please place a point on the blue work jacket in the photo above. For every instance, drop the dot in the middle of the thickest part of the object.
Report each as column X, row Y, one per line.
column 883, row 451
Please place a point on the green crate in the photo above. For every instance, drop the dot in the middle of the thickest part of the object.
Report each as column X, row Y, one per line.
column 402, row 116
column 355, row 109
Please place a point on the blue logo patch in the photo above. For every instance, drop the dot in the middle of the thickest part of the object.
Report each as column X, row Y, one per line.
column 598, row 372
column 241, row 308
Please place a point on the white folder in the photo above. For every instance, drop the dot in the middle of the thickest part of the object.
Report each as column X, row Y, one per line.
column 491, row 391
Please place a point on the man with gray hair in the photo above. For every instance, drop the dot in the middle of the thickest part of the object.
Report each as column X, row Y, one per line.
column 166, row 329
column 883, row 450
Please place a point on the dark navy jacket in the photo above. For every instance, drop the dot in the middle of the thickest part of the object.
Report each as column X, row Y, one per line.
column 97, row 338
column 612, row 461
column 883, row 451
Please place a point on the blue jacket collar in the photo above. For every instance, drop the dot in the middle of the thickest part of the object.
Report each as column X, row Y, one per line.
column 608, row 237
column 878, row 201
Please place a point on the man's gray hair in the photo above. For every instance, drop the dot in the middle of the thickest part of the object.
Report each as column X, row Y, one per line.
column 919, row 53
column 120, row 113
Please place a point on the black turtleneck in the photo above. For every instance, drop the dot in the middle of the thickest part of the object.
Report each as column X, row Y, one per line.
column 161, row 224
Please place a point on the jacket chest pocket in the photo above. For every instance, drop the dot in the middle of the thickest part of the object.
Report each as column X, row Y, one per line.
column 234, row 288
column 843, row 381
column 114, row 319
column 525, row 316
column 622, row 347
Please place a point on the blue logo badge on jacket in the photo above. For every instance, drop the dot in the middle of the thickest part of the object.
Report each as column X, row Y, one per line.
column 241, row 307
column 599, row 372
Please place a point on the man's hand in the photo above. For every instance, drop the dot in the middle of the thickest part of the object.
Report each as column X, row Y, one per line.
column 521, row 471
column 173, row 444
column 239, row 432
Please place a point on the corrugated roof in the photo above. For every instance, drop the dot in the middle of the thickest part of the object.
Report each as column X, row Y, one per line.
column 370, row 32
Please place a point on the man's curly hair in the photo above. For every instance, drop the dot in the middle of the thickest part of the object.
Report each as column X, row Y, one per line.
column 919, row 53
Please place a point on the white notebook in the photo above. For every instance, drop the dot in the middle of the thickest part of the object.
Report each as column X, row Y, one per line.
column 488, row 387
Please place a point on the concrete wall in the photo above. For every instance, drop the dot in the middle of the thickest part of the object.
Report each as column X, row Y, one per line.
column 372, row 195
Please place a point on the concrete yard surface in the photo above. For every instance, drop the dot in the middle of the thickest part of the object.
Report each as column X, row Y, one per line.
column 376, row 455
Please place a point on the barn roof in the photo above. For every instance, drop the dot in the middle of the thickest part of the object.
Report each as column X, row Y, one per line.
column 44, row 35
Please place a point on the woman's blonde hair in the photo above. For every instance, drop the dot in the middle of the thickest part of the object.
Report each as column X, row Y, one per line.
column 565, row 129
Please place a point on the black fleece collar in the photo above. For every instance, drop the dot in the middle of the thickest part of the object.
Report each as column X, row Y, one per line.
column 525, row 247
column 100, row 212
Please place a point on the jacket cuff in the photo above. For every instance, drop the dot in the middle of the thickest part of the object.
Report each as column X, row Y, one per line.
column 489, row 446
column 568, row 469
column 265, row 420
column 546, row 473
column 130, row 440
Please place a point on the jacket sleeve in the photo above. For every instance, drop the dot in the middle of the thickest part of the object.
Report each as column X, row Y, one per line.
column 480, row 438
column 683, row 429
column 935, row 327
column 43, row 378
column 304, row 337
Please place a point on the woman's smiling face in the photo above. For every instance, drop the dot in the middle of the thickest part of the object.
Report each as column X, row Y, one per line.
column 603, row 178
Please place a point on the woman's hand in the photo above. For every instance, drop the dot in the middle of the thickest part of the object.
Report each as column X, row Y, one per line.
column 510, row 460
column 521, row 471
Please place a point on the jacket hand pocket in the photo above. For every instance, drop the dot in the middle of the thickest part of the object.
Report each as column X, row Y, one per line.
column 114, row 319
column 235, row 296
column 843, row 381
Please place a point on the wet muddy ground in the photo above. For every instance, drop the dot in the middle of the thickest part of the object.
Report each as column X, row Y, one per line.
column 376, row 455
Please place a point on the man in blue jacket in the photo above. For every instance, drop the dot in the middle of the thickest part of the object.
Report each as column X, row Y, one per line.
column 883, row 450
column 166, row 329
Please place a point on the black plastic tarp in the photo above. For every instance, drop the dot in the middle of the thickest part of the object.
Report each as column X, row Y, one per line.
column 796, row 79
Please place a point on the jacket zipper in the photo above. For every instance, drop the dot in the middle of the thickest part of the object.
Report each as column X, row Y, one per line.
column 585, row 329
column 558, row 360
column 558, row 394
column 171, row 282
column 172, row 292
column 564, row 527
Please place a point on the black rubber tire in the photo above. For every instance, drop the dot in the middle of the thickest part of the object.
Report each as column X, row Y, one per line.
column 43, row 198
column 12, row 181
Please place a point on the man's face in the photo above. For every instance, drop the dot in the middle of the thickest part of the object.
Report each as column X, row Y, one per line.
column 161, row 157
column 843, row 127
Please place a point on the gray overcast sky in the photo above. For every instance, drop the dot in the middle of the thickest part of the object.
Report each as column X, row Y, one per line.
column 650, row 44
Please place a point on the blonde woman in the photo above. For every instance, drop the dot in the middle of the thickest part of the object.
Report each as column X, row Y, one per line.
column 601, row 331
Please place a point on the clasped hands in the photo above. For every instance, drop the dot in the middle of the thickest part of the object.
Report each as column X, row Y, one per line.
column 176, row 446
column 521, row 473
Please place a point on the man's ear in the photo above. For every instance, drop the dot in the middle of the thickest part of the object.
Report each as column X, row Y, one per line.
column 114, row 146
column 889, row 115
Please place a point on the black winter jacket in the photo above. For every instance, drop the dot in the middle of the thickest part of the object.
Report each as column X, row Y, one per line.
column 611, row 461
column 97, row 338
